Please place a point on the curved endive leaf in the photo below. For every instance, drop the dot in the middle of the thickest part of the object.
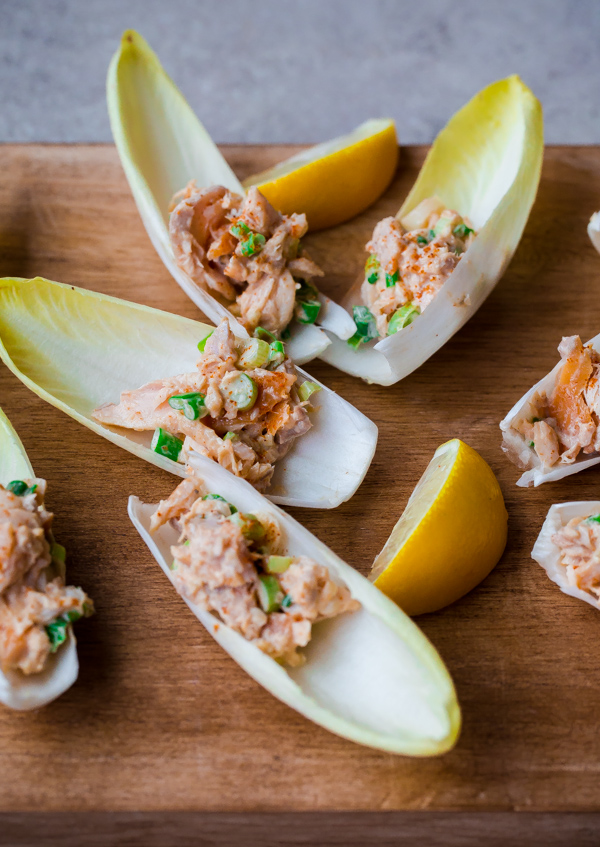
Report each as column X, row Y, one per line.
column 17, row 690
column 162, row 146
column 370, row 676
column 78, row 349
column 516, row 446
column 486, row 164
column 548, row 555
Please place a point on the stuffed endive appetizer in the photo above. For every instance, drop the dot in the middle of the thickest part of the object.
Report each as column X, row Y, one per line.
column 431, row 267
column 163, row 387
column 553, row 431
column 231, row 253
column 300, row 621
column 568, row 548
column 38, row 655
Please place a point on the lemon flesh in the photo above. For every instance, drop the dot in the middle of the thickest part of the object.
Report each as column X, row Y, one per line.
column 450, row 536
column 336, row 180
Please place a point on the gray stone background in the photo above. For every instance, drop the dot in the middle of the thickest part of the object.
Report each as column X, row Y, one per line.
column 301, row 70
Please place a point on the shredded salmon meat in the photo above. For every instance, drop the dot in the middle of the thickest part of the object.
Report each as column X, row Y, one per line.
column 33, row 596
column 563, row 423
column 579, row 544
column 411, row 259
column 231, row 563
column 243, row 251
column 246, row 442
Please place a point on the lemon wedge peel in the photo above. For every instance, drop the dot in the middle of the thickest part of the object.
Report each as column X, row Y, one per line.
column 450, row 536
column 334, row 181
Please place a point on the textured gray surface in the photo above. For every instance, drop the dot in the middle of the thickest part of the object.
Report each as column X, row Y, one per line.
column 301, row 70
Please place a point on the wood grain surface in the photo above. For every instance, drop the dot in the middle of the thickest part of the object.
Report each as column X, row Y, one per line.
column 161, row 719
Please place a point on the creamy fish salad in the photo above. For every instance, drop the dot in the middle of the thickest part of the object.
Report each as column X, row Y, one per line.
column 561, row 424
column 409, row 261
column 247, row 254
column 579, row 545
column 241, row 407
column 36, row 607
column 235, row 564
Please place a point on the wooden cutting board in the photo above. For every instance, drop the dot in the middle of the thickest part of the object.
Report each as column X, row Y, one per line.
column 161, row 718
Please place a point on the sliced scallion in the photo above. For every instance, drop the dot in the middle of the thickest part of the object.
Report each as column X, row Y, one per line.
column 462, row 230
column 366, row 327
column 260, row 332
column 392, row 279
column 57, row 633
column 250, row 526
column 422, row 240
column 306, row 389
column 18, row 487
column 232, row 508
column 166, row 444
column 269, row 593
column 403, row 317
column 252, row 244
column 276, row 353
column 202, row 344
column 307, row 311
column 240, row 230
column 278, row 564
column 192, row 405
column 255, row 354
column 287, row 601
column 230, row 436
column 58, row 552
column 593, row 519
column 242, row 391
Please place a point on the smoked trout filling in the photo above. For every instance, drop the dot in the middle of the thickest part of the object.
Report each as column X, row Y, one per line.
column 560, row 424
column 247, row 254
column 235, row 564
column 242, row 407
column 36, row 607
column 579, row 545
column 409, row 261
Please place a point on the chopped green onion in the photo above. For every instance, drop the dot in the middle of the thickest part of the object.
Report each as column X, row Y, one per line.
column 276, row 353
column 372, row 279
column 372, row 263
column 458, row 251
column 422, row 240
column 250, row 526
column 259, row 332
column 593, row 519
column 462, row 230
column 241, row 390
column 230, row 436
column 366, row 328
column 192, row 405
column 58, row 552
column 218, row 497
column 306, row 389
column 431, row 234
column 173, row 565
column 57, row 633
column 403, row 317
column 202, row 344
column 278, row 564
column 287, row 601
column 531, row 444
column 535, row 420
column 166, row 444
column 17, row 487
column 255, row 354
column 240, row 230
column 286, row 333
column 307, row 311
column 253, row 244
column 441, row 224
column 392, row 279
column 269, row 593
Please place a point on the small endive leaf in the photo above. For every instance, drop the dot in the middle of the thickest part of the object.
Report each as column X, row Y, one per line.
column 594, row 230
column 518, row 449
column 486, row 165
column 78, row 349
column 370, row 676
column 18, row 691
column 162, row 146
column 548, row 555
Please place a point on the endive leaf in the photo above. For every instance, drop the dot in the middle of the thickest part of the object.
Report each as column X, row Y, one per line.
column 594, row 230
column 78, row 349
column 486, row 165
column 162, row 146
column 524, row 456
column 548, row 555
column 370, row 676
column 18, row 691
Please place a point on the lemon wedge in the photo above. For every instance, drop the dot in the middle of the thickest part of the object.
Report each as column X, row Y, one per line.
column 334, row 181
column 450, row 536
